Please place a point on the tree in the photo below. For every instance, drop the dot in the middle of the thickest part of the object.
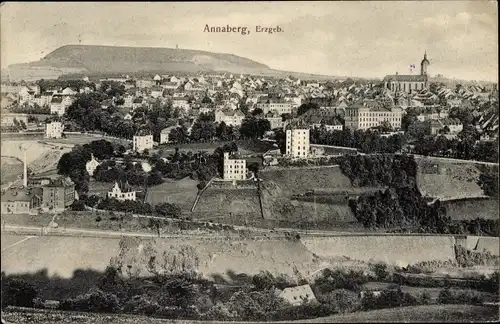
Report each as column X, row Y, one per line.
column 306, row 107
column 18, row 292
column 257, row 111
column 252, row 127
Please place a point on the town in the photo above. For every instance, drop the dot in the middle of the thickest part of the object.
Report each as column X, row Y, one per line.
column 180, row 184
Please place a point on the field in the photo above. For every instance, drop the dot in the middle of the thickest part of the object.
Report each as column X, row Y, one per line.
column 181, row 192
column 411, row 314
column 472, row 208
column 444, row 179
column 231, row 202
column 417, row 314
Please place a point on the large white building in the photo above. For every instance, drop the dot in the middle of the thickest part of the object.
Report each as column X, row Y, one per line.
column 142, row 142
column 92, row 165
column 229, row 117
column 277, row 106
column 234, row 169
column 54, row 130
column 370, row 114
column 297, row 142
column 122, row 192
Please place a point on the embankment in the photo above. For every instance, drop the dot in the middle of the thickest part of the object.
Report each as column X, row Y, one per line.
column 63, row 255
column 393, row 249
column 446, row 179
column 471, row 208
column 480, row 244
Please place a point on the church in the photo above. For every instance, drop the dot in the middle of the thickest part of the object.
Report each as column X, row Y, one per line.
column 409, row 83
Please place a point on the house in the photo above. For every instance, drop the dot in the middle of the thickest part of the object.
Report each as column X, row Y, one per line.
column 54, row 129
column 298, row 295
column 59, row 194
column 91, row 165
column 454, row 126
column 69, row 92
column 297, row 141
column 181, row 102
column 57, row 105
column 156, row 92
column 20, row 200
column 165, row 133
column 122, row 191
column 229, row 117
column 234, row 169
column 145, row 83
column 137, row 102
column 142, row 142
column 274, row 120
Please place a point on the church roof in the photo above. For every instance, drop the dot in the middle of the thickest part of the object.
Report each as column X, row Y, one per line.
column 406, row 78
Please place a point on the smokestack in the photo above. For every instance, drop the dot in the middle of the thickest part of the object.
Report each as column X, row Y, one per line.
column 25, row 171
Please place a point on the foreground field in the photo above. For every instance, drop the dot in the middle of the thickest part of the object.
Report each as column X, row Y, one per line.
column 418, row 314
column 413, row 314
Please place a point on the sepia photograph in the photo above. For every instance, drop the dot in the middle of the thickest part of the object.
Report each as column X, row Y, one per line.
column 249, row 162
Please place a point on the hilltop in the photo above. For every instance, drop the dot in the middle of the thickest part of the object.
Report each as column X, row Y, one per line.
column 99, row 60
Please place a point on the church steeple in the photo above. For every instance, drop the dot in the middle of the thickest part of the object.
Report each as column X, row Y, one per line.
column 424, row 64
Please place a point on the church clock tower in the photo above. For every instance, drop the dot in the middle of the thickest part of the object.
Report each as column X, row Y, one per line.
column 424, row 64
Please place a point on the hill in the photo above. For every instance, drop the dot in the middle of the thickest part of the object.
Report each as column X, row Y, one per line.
column 112, row 60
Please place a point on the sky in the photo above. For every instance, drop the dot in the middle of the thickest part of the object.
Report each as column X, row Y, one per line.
column 339, row 38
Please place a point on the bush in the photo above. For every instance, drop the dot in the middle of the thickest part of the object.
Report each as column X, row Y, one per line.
column 388, row 298
column 331, row 280
column 18, row 292
column 450, row 296
column 304, row 311
column 219, row 312
column 381, row 271
column 425, row 298
column 95, row 301
column 255, row 305
column 342, row 300
column 141, row 305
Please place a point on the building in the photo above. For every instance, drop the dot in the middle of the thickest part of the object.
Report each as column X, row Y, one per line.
column 57, row 106
column 11, row 119
column 20, row 200
column 409, row 83
column 234, row 169
column 165, row 133
column 229, row 117
column 277, row 106
column 59, row 194
column 454, row 126
column 298, row 295
column 142, row 142
column 91, row 165
column 297, row 142
column 370, row 113
column 54, row 129
column 329, row 127
column 274, row 120
column 181, row 102
column 122, row 191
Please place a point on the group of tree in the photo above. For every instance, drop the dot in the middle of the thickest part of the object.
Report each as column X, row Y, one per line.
column 27, row 108
column 73, row 163
column 367, row 141
column 401, row 205
column 140, row 207
column 126, row 171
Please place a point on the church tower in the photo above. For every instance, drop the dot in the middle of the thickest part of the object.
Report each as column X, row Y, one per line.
column 424, row 64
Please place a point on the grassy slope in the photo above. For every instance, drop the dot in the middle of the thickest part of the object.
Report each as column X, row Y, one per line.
column 280, row 184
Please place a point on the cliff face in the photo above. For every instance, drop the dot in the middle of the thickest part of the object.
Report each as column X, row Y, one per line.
column 91, row 59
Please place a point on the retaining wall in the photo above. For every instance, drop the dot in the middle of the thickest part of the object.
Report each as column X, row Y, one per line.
column 395, row 250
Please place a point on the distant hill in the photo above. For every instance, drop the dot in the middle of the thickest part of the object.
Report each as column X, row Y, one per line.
column 93, row 59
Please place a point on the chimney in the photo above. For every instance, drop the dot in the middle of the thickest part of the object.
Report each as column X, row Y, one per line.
column 25, row 171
